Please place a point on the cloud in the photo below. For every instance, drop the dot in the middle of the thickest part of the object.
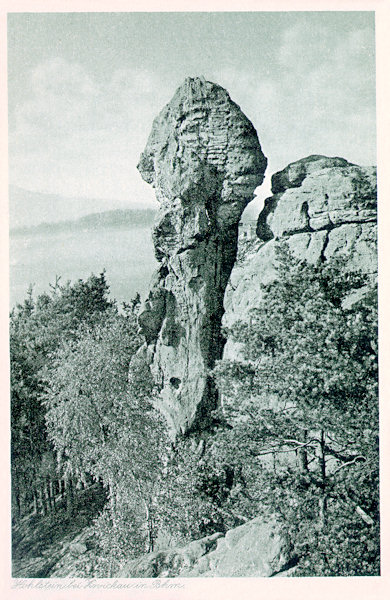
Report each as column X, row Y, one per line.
column 81, row 133
column 335, row 96
column 316, row 96
column 333, row 72
column 75, row 135
column 62, row 95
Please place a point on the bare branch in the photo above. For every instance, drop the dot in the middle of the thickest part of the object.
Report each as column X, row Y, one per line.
column 348, row 464
column 275, row 450
column 300, row 444
column 338, row 455
column 366, row 518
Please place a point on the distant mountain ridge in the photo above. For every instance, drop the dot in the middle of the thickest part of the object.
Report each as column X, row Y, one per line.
column 110, row 218
column 28, row 209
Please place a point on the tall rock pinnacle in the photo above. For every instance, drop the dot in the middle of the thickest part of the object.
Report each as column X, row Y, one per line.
column 204, row 160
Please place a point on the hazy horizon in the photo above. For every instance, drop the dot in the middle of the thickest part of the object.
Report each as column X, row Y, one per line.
column 29, row 208
column 39, row 259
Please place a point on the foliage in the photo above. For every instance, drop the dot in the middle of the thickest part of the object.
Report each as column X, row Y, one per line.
column 192, row 494
column 104, row 427
column 133, row 468
column 37, row 328
column 302, row 404
column 85, row 385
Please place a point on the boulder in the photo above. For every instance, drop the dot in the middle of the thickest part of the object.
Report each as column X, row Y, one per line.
column 255, row 549
column 171, row 562
column 77, row 548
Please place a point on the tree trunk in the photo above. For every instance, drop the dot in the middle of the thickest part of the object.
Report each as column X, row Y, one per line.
column 53, row 494
column 69, row 498
column 149, row 525
column 16, row 502
column 46, row 499
column 41, row 501
column 302, row 455
column 49, row 493
column 113, row 510
column 323, row 501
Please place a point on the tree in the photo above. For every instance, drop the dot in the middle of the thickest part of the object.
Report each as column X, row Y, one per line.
column 83, row 387
column 302, row 404
column 37, row 328
column 193, row 494
column 102, row 427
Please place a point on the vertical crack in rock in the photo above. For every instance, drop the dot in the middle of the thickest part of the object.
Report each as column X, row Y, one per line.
column 204, row 160
column 322, row 256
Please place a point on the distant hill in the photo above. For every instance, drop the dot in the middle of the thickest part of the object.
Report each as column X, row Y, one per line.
column 28, row 209
column 110, row 218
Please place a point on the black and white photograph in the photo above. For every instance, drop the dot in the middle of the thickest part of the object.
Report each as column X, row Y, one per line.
column 193, row 296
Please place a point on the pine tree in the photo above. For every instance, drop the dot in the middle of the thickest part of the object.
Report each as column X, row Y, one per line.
column 303, row 407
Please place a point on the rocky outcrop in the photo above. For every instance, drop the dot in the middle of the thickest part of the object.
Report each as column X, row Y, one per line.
column 318, row 194
column 322, row 208
column 254, row 549
column 204, row 160
column 172, row 562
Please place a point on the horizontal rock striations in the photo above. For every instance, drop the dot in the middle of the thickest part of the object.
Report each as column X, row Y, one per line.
column 316, row 194
column 323, row 208
column 204, row 160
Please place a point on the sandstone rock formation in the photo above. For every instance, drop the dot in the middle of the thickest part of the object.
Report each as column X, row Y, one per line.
column 254, row 549
column 323, row 208
column 204, row 160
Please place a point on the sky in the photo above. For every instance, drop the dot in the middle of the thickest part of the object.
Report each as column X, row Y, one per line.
column 84, row 89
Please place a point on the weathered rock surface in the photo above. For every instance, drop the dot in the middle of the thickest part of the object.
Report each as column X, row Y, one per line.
column 204, row 160
column 254, row 549
column 171, row 562
column 323, row 208
column 318, row 194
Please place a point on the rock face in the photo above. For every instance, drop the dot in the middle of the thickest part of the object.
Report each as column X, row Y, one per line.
column 254, row 549
column 204, row 160
column 318, row 194
column 172, row 562
column 323, row 208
